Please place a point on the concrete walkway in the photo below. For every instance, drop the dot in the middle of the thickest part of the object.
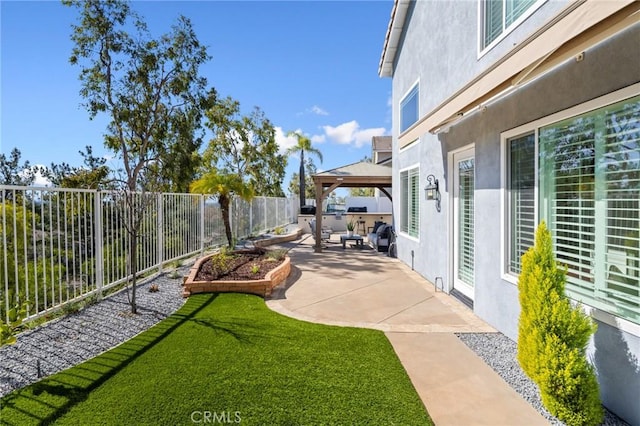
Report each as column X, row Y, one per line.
column 362, row 288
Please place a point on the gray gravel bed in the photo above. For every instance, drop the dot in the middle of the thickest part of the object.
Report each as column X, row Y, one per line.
column 72, row 339
column 499, row 352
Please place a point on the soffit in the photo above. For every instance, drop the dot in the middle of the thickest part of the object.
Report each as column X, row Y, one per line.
column 392, row 38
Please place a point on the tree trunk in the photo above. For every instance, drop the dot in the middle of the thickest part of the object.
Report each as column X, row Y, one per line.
column 224, row 207
column 302, row 180
column 132, row 226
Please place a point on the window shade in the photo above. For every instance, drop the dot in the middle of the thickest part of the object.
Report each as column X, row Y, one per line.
column 404, row 201
column 499, row 15
column 410, row 202
column 522, row 219
column 466, row 222
column 414, row 200
column 493, row 20
column 515, row 8
column 590, row 197
column 620, row 164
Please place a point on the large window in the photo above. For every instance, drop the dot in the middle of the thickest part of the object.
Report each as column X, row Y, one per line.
column 410, row 202
column 409, row 108
column 498, row 16
column 589, row 196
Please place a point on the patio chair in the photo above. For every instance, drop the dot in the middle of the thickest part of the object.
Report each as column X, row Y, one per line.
column 325, row 234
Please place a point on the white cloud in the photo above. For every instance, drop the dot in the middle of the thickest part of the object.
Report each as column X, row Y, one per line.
column 349, row 133
column 313, row 110
column 343, row 133
column 318, row 138
column 284, row 142
column 318, row 111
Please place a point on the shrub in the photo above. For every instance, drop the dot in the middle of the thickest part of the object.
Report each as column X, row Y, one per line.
column 553, row 336
column 9, row 329
column 277, row 254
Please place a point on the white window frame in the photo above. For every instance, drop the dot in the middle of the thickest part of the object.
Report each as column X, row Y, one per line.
column 534, row 126
column 505, row 229
column 416, row 167
column 482, row 50
column 415, row 85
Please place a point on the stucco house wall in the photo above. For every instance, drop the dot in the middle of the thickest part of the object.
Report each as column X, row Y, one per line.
column 443, row 57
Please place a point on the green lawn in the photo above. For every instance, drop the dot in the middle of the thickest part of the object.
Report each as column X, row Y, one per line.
column 229, row 358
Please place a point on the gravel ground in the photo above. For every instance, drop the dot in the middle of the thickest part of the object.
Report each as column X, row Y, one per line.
column 72, row 339
column 499, row 352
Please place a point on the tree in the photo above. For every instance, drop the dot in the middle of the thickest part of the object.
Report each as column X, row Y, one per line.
column 245, row 146
column 93, row 175
column 310, row 188
column 225, row 186
column 552, row 338
column 151, row 90
column 303, row 144
column 14, row 173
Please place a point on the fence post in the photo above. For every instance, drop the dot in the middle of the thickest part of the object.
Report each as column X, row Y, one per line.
column 251, row 217
column 4, row 257
column 160, row 230
column 99, row 245
column 231, row 221
column 266, row 217
column 201, row 224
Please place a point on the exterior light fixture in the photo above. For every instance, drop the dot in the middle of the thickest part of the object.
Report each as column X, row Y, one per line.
column 432, row 190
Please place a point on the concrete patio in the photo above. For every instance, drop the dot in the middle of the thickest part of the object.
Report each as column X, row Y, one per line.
column 363, row 288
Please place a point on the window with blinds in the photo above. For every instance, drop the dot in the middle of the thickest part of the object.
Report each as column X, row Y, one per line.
column 499, row 15
column 409, row 109
column 410, row 202
column 590, row 198
column 466, row 234
column 521, row 193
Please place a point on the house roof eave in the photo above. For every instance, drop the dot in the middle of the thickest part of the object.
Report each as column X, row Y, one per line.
column 392, row 38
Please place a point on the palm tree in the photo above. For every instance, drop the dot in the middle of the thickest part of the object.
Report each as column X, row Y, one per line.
column 304, row 144
column 224, row 186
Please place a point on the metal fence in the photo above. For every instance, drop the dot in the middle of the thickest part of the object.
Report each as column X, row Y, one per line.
column 59, row 246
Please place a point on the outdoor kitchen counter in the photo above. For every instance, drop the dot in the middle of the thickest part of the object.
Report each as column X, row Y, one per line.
column 338, row 221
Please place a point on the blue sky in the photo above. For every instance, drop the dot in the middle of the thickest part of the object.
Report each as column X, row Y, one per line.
column 309, row 65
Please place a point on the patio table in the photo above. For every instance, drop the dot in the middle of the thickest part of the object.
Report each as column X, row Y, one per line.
column 355, row 237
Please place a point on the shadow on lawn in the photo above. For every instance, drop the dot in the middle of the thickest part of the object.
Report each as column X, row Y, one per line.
column 73, row 386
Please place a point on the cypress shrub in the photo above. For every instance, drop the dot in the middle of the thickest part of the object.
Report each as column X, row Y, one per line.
column 552, row 338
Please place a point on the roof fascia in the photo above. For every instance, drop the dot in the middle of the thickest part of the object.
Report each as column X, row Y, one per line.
column 393, row 36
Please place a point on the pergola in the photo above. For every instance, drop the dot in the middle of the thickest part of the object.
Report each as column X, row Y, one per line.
column 356, row 175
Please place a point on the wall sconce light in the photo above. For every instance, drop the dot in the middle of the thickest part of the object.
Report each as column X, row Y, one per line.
column 432, row 190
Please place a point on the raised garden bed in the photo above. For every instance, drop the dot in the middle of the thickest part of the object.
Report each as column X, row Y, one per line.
column 255, row 271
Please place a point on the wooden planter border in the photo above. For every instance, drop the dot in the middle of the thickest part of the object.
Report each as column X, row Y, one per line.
column 260, row 287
